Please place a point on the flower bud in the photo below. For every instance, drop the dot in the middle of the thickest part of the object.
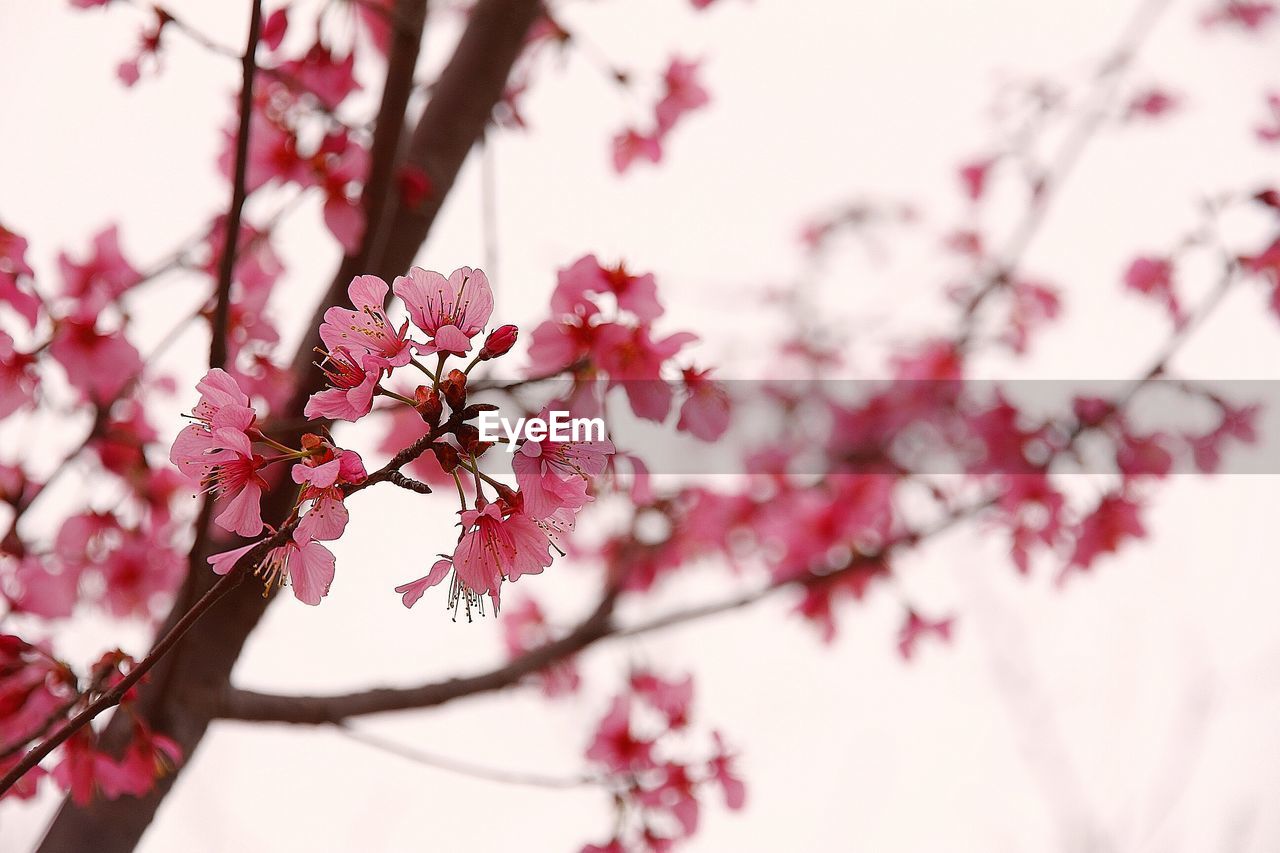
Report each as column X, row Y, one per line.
column 499, row 342
column 446, row 455
column 428, row 404
column 454, row 389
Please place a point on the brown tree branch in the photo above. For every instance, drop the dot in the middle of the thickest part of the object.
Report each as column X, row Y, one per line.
column 176, row 700
column 227, row 263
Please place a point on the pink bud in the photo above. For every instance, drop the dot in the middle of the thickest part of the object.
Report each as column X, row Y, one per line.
column 499, row 342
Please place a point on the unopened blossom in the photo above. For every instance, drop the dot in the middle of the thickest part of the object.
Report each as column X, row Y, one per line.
column 555, row 474
column 499, row 342
column 450, row 310
column 366, row 330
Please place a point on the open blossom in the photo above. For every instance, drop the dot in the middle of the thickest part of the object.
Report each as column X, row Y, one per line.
column 14, row 266
column 216, row 451
column 631, row 145
column 555, row 474
column 353, row 381
column 102, row 277
column 451, row 310
column 632, row 358
column 683, row 93
column 414, row 590
column 615, row 745
column 306, row 565
column 498, row 544
column 322, row 477
column 705, row 411
column 98, row 364
column 575, row 283
column 17, row 377
column 366, row 330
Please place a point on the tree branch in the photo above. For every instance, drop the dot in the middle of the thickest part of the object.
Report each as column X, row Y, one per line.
column 176, row 701
column 227, row 263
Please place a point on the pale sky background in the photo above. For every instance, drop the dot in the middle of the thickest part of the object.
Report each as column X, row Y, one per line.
column 1133, row 710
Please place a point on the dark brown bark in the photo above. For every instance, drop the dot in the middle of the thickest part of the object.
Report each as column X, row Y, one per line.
column 184, row 689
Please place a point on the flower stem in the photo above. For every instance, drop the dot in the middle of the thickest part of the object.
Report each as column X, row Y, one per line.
column 424, row 369
column 393, row 395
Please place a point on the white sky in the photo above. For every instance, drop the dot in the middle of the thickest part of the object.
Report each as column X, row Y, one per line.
column 1132, row 710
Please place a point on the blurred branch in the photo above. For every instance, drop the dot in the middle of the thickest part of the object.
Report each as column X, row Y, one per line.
column 1049, row 185
column 227, row 263
column 464, row 768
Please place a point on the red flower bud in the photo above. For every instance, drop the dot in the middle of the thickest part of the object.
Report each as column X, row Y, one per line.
column 446, row 455
column 454, row 389
column 428, row 404
column 499, row 342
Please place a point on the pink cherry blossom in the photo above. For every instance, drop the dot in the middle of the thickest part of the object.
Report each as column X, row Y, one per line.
column 555, row 474
column 98, row 364
column 18, row 377
column 705, row 411
column 451, row 311
column 41, row 588
column 683, row 94
column 722, row 771
column 1153, row 276
column 366, row 330
column 616, row 746
column 974, row 176
column 917, row 627
column 633, row 359
column 82, row 768
column 525, row 628
column 414, row 590
column 1245, row 14
column 630, row 145
column 13, row 267
column 1152, row 103
column 322, row 477
column 497, row 546
column 635, row 293
column 1113, row 521
column 307, row 566
column 671, row 698
column 353, row 380
column 102, row 277
column 322, row 75
column 148, row 757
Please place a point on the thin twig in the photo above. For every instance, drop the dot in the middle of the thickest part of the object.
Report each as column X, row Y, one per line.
column 464, row 768
column 227, row 263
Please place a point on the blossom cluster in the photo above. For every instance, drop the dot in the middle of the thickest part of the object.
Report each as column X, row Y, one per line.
column 658, row 797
